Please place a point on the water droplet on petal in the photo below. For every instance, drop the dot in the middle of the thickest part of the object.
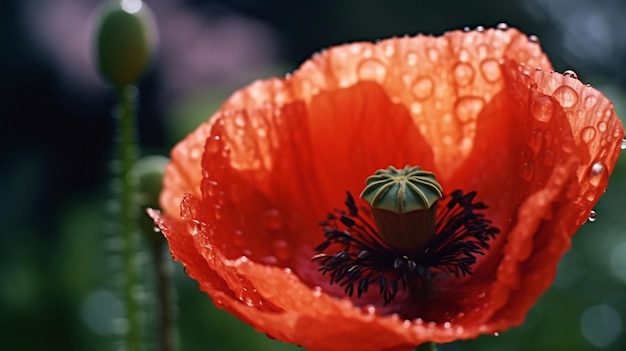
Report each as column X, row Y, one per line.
column 490, row 70
column 214, row 144
column 422, row 88
column 602, row 126
column 467, row 108
column 593, row 216
column 272, row 219
column 372, row 69
column 588, row 134
column 566, row 96
column 411, row 58
column 463, row 55
column 571, row 74
column 542, row 109
column 533, row 38
column 590, row 101
column 317, row 291
column 480, row 29
column 433, row 54
column 623, row 145
column 463, row 74
column 195, row 227
column 416, row 108
column 502, row 26
column 496, row 334
column 597, row 169
column 211, row 187
column 390, row 50
column 597, row 173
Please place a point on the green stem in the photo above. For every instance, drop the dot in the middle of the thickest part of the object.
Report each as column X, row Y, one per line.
column 167, row 325
column 128, row 216
column 429, row 346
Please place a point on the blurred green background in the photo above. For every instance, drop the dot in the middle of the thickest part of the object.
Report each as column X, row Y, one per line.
column 58, row 259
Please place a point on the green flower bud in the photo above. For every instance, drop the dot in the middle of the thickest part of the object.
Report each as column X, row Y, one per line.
column 125, row 41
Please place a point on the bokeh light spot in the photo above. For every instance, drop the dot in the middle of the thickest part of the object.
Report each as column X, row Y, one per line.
column 601, row 325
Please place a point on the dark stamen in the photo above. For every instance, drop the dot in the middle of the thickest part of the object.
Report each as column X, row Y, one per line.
column 363, row 259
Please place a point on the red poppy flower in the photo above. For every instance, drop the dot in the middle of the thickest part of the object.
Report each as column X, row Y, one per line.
column 244, row 193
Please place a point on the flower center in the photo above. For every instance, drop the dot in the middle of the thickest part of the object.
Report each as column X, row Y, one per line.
column 410, row 242
column 403, row 204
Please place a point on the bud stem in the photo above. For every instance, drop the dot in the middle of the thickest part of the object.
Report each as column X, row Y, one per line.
column 128, row 154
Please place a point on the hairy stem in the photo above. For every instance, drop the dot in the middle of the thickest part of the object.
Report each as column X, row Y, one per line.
column 128, row 155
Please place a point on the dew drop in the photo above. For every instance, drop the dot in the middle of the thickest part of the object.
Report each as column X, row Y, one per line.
column 467, row 108
column 367, row 52
column 482, row 50
column 411, row 58
column 217, row 212
column 195, row 154
column 463, row 55
column 466, row 29
column 433, row 54
column 571, row 74
column 542, row 109
column 490, row 70
column 463, row 74
column 590, row 195
column 239, row 120
column 480, row 29
column 623, row 145
column 317, row 291
column 272, row 219
column 602, row 126
column 593, row 216
column 590, row 101
column 390, row 50
column 588, row 134
column 566, row 96
column 416, row 108
column 597, row 169
column 156, row 229
column 406, row 323
column 211, row 187
column 372, row 69
column 214, row 144
column 533, row 38
column 447, row 325
column 502, row 26
column 496, row 334
column 597, row 173
column 195, row 227
column 422, row 88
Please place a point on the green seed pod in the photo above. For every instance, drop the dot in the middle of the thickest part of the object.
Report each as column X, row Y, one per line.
column 125, row 41
column 402, row 190
column 402, row 202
